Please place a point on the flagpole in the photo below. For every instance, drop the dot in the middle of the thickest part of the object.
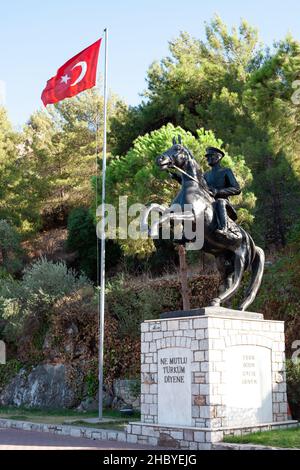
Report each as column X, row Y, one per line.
column 102, row 251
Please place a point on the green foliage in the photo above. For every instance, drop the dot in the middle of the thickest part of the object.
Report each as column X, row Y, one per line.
column 78, row 312
column 294, row 235
column 30, row 315
column 54, row 279
column 132, row 306
column 10, row 248
column 293, row 386
column 275, row 160
column 241, row 91
column 137, row 176
column 43, row 283
column 285, row 438
column 7, row 139
column 91, row 380
column 60, row 149
column 197, row 85
column 268, row 93
column 226, row 83
column 46, row 169
column 135, row 387
column 279, row 295
column 82, row 239
column 8, row 371
column 14, row 179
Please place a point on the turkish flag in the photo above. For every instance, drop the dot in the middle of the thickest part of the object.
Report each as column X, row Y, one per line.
column 76, row 75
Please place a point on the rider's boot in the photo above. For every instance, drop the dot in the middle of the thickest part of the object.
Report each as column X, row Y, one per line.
column 222, row 217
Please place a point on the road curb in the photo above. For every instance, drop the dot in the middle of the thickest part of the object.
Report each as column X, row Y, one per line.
column 110, row 434
column 66, row 430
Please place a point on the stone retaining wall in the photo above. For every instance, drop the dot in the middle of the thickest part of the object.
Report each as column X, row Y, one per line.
column 66, row 430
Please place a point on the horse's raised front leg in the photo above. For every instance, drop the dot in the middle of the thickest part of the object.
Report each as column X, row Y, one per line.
column 167, row 216
column 144, row 224
column 239, row 268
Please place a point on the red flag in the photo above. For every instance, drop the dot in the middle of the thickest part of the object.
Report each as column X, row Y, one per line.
column 76, row 75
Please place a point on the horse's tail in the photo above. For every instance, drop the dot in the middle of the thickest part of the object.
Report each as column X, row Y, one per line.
column 257, row 270
column 251, row 248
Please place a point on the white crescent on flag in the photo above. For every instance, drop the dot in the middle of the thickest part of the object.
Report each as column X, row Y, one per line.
column 69, row 81
column 83, row 66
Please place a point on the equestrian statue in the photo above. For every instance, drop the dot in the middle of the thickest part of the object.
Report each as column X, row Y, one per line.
column 206, row 196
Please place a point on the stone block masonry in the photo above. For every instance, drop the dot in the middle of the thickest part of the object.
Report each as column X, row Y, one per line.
column 151, row 435
column 205, row 376
column 186, row 438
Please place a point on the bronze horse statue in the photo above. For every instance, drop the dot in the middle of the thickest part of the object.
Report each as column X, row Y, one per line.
column 235, row 251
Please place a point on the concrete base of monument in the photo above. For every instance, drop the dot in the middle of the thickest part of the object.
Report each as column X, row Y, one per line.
column 209, row 373
column 212, row 311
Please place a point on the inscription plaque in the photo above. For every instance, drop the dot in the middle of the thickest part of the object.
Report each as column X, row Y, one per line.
column 174, row 386
column 248, row 385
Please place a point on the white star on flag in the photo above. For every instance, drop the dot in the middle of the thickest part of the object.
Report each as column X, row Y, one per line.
column 65, row 78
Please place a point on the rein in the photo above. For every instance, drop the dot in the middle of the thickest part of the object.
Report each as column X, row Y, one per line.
column 186, row 174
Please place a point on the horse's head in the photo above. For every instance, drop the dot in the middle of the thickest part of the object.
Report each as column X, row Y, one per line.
column 180, row 158
column 175, row 156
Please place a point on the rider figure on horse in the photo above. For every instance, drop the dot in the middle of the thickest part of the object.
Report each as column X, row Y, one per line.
column 222, row 184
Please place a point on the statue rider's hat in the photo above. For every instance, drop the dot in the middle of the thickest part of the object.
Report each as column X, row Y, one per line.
column 213, row 150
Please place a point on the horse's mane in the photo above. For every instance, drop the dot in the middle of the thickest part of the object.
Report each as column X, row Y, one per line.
column 200, row 177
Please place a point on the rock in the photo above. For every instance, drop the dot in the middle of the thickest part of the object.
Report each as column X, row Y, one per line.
column 72, row 330
column 59, row 386
column 91, row 403
column 45, row 386
column 117, row 403
column 69, row 347
column 126, row 392
column 107, row 398
column 88, row 404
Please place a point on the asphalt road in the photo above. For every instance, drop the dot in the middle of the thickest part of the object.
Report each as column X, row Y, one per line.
column 17, row 439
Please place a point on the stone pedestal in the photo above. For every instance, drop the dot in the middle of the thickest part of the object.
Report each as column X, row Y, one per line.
column 214, row 372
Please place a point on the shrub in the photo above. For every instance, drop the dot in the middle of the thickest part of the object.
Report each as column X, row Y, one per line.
column 134, row 300
column 91, row 380
column 25, row 305
column 10, row 248
column 279, row 296
column 12, row 298
column 131, row 304
column 34, row 324
column 293, row 386
column 66, row 328
column 73, row 338
column 74, row 329
column 8, row 371
column 82, row 239
column 54, row 279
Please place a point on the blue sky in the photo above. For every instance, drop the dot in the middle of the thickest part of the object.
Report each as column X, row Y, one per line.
column 36, row 37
